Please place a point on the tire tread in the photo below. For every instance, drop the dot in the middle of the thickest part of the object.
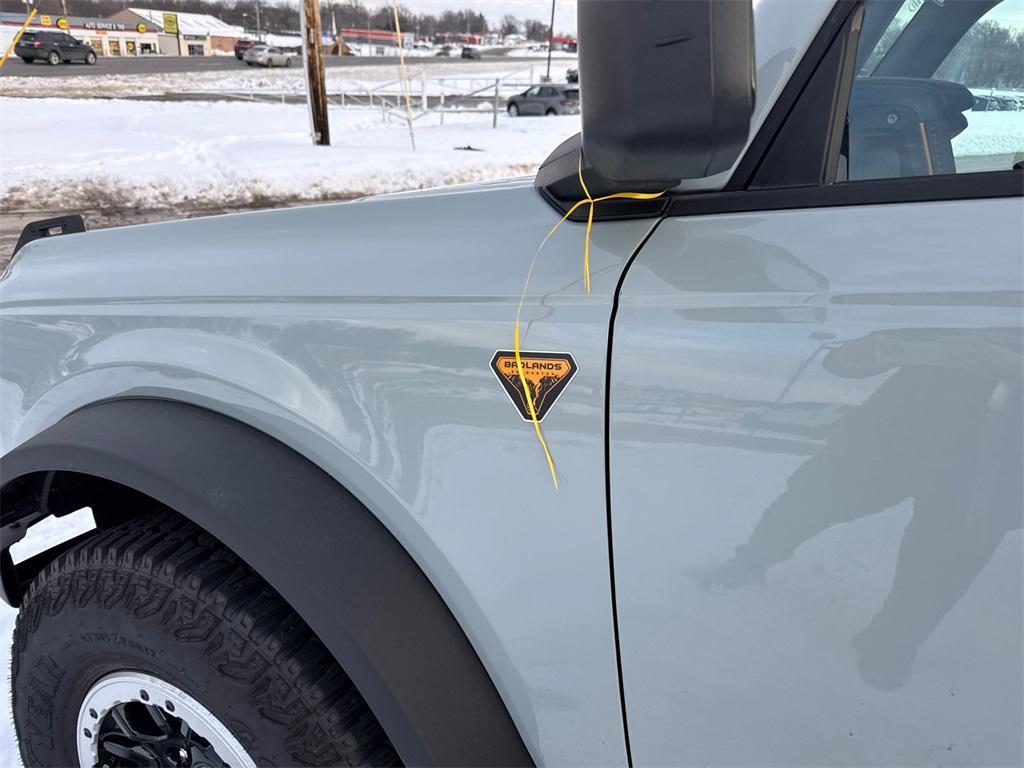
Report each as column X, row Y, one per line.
column 161, row 568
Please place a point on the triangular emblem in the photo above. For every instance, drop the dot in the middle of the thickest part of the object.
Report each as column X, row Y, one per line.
column 547, row 374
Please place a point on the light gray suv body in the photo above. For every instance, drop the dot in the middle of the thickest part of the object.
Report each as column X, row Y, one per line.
column 785, row 419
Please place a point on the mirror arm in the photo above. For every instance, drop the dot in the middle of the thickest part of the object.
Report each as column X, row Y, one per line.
column 558, row 182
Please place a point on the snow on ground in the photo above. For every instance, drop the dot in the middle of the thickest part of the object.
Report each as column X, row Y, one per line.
column 535, row 53
column 41, row 537
column 156, row 154
column 991, row 133
column 459, row 77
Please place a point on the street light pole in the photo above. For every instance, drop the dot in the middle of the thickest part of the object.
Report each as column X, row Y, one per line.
column 551, row 41
column 257, row 19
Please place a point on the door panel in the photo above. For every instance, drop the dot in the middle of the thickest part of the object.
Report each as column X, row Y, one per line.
column 815, row 425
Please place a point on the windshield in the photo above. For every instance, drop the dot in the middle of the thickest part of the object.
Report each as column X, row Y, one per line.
column 1002, row 18
column 899, row 22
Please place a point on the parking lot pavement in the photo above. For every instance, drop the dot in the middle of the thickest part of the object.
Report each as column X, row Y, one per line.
column 107, row 65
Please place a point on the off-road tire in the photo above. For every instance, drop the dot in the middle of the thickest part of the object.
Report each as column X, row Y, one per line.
column 160, row 596
column 53, row 58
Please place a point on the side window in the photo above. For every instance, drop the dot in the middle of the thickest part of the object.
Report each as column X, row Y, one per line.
column 533, row 91
column 939, row 90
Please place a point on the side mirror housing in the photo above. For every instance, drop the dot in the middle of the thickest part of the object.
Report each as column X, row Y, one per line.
column 666, row 86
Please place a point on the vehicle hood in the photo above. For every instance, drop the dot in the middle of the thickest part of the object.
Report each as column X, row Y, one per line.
column 473, row 240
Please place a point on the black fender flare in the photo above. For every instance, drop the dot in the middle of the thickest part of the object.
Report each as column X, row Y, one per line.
column 330, row 558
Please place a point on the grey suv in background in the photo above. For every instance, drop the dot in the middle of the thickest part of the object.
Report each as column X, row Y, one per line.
column 53, row 48
column 546, row 100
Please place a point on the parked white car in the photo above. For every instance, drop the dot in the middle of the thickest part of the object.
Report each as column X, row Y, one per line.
column 267, row 56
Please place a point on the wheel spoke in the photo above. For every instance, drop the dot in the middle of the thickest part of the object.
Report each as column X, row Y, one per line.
column 144, row 758
column 158, row 719
column 138, row 754
column 117, row 713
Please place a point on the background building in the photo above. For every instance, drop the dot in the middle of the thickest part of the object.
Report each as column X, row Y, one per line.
column 199, row 34
column 108, row 37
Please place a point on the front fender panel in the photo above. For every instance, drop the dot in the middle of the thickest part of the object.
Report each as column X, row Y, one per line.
column 366, row 347
column 331, row 559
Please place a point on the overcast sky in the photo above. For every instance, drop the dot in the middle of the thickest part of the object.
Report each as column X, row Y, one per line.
column 1010, row 12
column 565, row 10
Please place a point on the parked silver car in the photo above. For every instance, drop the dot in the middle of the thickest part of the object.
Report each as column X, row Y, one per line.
column 267, row 56
column 546, row 100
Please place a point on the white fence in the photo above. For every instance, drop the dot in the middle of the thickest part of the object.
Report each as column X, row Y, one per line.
column 429, row 95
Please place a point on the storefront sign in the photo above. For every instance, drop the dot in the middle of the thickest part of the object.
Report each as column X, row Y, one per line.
column 113, row 25
column 46, row 21
column 62, row 23
column 171, row 23
column 140, row 27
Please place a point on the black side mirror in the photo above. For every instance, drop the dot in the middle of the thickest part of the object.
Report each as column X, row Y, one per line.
column 678, row 106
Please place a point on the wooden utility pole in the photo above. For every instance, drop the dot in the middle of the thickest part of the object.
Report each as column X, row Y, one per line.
column 316, row 85
column 551, row 41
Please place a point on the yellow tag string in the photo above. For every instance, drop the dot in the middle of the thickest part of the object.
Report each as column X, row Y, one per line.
column 533, row 410
column 591, row 201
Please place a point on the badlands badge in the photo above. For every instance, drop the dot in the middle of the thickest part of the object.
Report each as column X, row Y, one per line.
column 547, row 374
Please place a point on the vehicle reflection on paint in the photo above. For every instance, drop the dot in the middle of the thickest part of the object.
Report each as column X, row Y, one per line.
column 872, row 461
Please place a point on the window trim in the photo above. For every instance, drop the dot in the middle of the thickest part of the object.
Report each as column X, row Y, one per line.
column 812, row 74
column 806, row 72
column 912, row 189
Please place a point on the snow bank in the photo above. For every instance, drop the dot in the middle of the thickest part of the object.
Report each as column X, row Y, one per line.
column 155, row 154
column 461, row 76
column 991, row 133
column 532, row 53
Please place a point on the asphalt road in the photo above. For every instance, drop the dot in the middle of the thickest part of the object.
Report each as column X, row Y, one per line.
column 107, row 65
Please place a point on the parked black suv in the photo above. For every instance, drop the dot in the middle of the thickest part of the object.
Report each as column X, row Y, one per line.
column 54, row 48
